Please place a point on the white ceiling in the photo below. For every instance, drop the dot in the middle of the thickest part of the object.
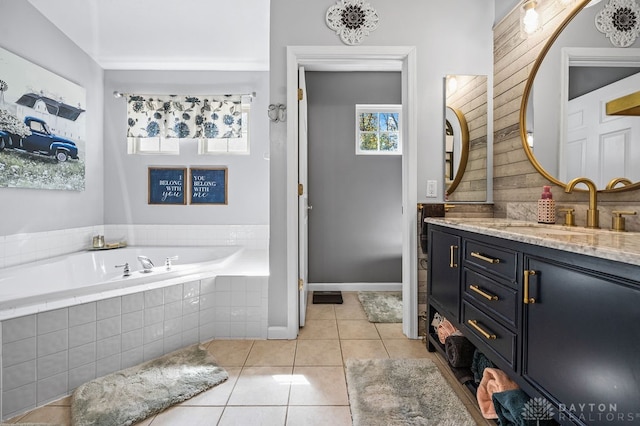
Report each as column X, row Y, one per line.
column 166, row 34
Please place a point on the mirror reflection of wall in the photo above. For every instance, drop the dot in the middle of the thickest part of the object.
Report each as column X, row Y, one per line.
column 468, row 95
column 574, row 137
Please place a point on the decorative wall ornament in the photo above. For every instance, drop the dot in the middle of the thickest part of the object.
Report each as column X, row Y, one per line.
column 620, row 21
column 352, row 20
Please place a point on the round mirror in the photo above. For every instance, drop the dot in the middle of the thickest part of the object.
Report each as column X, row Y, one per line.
column 456, row 147
column 565, row 128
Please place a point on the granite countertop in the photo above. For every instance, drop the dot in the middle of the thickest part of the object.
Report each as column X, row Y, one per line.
column 619, row 246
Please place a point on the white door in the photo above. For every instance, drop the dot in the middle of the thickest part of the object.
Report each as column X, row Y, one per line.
column 601, row 146
column 303, row 197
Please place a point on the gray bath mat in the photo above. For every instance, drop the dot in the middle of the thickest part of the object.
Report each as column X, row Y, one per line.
column 382, row 306
column 128, row 396
column 385, row 392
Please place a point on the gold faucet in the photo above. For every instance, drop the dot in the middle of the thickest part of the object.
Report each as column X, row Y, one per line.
column 592, row 212
column 613, row 182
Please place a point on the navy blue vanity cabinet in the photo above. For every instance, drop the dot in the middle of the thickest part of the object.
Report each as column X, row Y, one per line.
column 581, row 336
column 443, row 274
column 564, row 326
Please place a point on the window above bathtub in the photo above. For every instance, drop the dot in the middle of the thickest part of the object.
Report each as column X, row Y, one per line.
column 159, row 124
column 235, row 145
column 378, row 129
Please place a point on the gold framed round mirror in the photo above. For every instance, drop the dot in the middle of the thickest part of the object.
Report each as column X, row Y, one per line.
column 546, row 118
column 456, row 147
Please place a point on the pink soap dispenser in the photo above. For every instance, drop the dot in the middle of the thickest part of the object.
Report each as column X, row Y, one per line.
column 546, row 206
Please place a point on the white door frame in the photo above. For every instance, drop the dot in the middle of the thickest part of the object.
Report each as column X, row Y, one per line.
column 357, row 58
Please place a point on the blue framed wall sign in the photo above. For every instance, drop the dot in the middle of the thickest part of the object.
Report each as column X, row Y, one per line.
column 209, row 185
column 167, row 185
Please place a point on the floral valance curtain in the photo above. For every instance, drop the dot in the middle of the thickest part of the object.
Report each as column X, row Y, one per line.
column 177, row 116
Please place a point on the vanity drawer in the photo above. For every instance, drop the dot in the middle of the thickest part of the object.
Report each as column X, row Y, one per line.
column 496, row 260
column 491, row 296
column 499, row 339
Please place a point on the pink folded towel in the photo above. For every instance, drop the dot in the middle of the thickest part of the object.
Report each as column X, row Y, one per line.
column 493, row 380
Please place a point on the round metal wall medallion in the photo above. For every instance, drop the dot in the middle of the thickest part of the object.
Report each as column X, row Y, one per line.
column 352, row 20
column 620, row 21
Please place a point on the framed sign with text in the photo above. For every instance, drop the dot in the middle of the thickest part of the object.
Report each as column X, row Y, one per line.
column 167, row 185
column 209, row 185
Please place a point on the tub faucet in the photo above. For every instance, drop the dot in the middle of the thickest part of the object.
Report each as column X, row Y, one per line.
column 146, row 263
column 167, row 263
column 592, row 213
column 126, row 271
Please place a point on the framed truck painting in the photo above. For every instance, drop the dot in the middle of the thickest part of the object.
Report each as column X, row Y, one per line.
column 42, row 127
column 209, row 185
column 167, row 185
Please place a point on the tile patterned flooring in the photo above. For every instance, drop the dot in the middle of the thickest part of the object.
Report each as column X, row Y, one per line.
column 288, row 382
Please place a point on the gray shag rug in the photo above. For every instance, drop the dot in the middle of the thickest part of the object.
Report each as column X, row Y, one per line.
column 133, row 394
column 384, row 392
column 382, row 306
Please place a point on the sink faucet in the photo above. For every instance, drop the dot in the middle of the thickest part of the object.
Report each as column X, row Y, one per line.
column 613, row 182
column 592, row 213
column 146, row 263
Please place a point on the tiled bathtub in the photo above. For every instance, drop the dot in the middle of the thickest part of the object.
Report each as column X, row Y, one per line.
column 49, row 352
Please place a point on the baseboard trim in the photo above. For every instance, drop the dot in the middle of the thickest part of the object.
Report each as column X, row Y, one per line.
column 277, row 333
column 355, row 286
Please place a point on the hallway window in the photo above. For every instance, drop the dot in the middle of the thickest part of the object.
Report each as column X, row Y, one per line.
column 378, row 130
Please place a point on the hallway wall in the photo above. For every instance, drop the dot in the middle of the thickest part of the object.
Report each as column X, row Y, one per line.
column 355, row 226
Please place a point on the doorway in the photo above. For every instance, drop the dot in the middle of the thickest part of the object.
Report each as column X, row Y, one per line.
column 343, row 58
column 355, row 226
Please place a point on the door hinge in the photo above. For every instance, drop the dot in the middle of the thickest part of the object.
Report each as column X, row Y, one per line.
column 300, row 94
column 300, row 189
column 300, row 284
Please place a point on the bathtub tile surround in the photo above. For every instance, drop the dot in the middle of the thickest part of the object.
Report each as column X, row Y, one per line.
column 17, row 249
column 250, row 236
column 47, row 355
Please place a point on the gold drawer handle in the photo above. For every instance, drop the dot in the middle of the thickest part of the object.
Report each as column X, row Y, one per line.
column 483, row 293
column 487, row 335
column 527, row 300
column 452, row 255
column 483, row 257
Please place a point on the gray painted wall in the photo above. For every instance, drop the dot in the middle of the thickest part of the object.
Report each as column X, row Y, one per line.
column 26, row 33
column 503, row 7
column 355, row 227
column 126, row 175
column 465, row 47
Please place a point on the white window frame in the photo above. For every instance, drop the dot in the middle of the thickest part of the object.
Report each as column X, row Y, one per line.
column 154, row 146
column 378, row 108
column 229, row 146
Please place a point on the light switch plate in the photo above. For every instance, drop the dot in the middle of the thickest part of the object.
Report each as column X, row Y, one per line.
column 432, row 189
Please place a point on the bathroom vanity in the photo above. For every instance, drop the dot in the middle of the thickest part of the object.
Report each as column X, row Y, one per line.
column 556, row 308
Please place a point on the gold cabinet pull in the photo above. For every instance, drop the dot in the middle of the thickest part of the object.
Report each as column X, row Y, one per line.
column 486, row 334
column 452, row 256
column 483, row 257
column 483, row 293
column 527, row 300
